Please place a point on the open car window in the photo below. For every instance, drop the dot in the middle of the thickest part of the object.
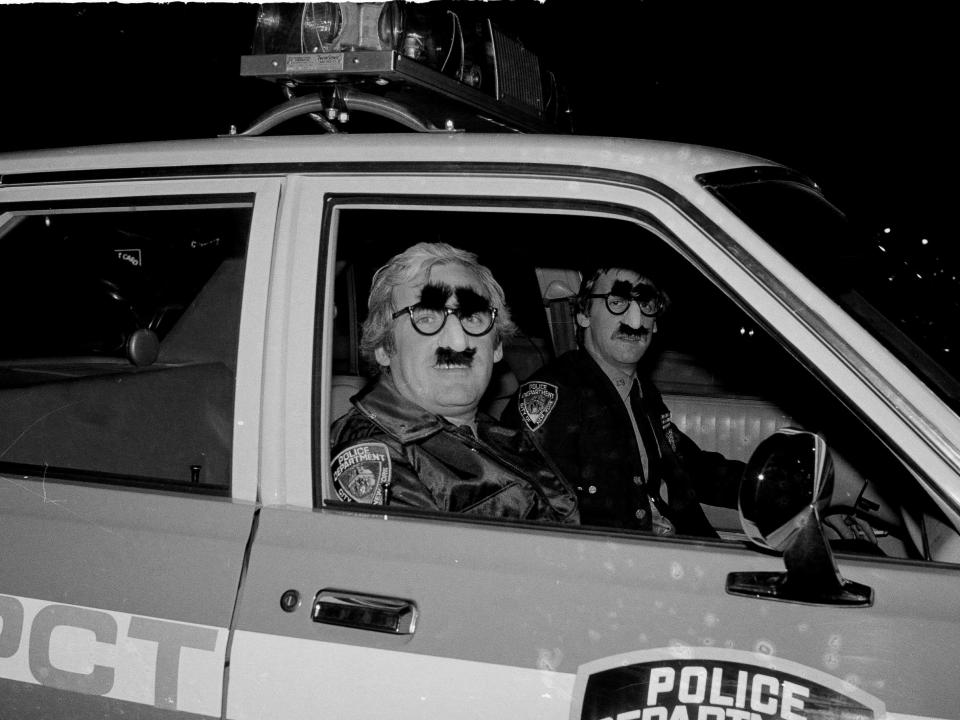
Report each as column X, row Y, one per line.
column 726, row 380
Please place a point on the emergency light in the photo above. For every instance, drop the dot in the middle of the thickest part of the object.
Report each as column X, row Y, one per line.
column 429, row 66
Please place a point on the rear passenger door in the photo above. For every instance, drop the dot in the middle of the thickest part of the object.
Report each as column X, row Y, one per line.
column 132, row 316
column 376, row 612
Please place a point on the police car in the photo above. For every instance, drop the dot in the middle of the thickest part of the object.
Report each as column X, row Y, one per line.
column 180, row 327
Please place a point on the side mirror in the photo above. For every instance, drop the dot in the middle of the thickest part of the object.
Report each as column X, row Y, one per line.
column 785, row 487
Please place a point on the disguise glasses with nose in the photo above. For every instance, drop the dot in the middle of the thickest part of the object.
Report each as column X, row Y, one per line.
column 647, row 297
column 430, row 320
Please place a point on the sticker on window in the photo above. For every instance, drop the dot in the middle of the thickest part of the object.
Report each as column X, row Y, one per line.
column 710, row 684
column 361, row 473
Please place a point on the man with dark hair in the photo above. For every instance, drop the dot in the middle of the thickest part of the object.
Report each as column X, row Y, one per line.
column 608, row 430
column 414, row 436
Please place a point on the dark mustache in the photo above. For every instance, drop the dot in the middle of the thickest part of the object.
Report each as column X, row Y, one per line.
column 446, row 356
column 628, row 331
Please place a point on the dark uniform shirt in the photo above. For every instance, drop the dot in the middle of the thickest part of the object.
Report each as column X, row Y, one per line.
column 388, row 450
column 576, row 416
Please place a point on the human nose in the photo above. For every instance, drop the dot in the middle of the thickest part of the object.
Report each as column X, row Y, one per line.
column 452, row 335
column 633, row 317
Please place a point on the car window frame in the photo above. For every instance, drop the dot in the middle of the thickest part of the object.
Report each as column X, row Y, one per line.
column 263, row 195
column 716, row 235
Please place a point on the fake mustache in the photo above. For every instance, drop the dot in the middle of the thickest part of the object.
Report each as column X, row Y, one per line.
column 446, row 356
column 627, row 332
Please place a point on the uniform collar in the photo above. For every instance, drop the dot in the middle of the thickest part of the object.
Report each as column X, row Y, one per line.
column 382, row 404
column 620, row 380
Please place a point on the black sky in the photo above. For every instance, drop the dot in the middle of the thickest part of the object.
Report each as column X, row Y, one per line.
column 857, row 95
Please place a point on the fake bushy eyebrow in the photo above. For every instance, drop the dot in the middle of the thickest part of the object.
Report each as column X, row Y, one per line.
column 624, row 288
column 434, row 296
column 470, row 301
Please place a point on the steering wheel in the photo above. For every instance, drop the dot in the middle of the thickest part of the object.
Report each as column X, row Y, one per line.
column 139, row 344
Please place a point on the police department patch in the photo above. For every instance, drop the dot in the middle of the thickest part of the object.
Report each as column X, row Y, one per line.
column 536, row 401
column 361, row 473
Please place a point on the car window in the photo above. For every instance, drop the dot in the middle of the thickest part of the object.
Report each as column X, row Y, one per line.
column 727, row 382
column 902, row 287
column 120, row 328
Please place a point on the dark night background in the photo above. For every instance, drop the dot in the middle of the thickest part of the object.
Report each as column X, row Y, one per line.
column 858, row 96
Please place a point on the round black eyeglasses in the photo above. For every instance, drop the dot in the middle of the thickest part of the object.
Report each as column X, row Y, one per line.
column 649, row 301
column 430, row 321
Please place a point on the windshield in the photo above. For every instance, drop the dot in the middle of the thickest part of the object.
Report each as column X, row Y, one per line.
column 903, row 290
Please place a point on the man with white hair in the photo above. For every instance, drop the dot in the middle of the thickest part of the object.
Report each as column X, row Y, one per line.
column 415, row 430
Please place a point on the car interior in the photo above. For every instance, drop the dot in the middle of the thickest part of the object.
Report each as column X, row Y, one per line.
column 727, row 380
column 121, row 333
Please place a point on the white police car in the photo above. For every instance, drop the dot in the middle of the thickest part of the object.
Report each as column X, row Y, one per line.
column 180, row 326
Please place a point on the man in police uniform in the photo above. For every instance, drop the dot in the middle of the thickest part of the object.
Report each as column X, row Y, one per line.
column 414, row 437
column 609, row 431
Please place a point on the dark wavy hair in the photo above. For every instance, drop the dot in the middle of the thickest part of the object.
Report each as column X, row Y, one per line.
column 589, row 282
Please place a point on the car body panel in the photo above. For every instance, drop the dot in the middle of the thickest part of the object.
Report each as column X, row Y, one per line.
column 120, row 624
column 152, row 575
column 546, row 603
column 239, row 155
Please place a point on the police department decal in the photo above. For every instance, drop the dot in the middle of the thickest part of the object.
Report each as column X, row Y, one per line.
column 537, row 399
column 361, row 473
column 685, row 683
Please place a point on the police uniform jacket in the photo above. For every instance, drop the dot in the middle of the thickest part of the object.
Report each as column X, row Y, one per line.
column 581, row 422
column 388, row 450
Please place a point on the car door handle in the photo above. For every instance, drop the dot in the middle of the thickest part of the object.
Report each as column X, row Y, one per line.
column 366, row 612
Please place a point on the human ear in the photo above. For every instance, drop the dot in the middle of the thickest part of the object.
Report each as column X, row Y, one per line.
column 382, row 358
column 582, row 320
column 498, row 352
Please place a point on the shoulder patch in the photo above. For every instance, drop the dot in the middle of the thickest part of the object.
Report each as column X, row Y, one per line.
column 536, row 401
column 361, row 473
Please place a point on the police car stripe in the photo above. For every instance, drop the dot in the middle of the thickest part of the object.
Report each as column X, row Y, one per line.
column 145, row 660
column 275, row 676
column 272, row 676
column 178, row 666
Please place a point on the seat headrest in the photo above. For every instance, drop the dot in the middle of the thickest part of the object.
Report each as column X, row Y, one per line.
column 344, row 387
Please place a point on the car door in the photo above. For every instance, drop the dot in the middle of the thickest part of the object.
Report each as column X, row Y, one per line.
column 376, row 612
column 133, row 316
